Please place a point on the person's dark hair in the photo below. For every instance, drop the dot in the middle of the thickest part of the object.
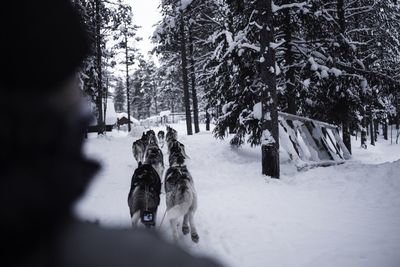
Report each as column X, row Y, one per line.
column 43, row 42
column 42, row 168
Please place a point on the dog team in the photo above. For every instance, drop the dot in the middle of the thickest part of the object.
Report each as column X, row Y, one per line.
column 144, row 194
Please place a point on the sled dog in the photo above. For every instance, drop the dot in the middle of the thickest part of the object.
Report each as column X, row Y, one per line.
column 161, row 138
column 181, row 200
column 172, row 134
column 144, row 195
column 139, row 148
column 154, row 157
column 176, row 146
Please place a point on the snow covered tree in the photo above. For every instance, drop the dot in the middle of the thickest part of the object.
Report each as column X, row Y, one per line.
column 119, row 96
column 125, row 38
column 172, row 34
column 103, row 20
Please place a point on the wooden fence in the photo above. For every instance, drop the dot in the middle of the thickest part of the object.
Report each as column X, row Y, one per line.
column 310, row 142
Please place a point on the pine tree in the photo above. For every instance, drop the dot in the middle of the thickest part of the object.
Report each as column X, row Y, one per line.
column 119, row 96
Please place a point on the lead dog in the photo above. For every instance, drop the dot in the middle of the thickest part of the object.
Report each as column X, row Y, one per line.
column 161, row 138
column 181, row 200
column 144, row 195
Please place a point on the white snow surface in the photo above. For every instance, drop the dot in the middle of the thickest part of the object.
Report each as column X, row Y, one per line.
column 111, row 115
column 345, row 215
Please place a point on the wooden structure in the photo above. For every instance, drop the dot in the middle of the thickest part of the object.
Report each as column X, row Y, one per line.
column 94, row 128
column 123, row 121
column 311, row 143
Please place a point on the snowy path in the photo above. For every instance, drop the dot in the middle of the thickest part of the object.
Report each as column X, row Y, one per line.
column 347, row 215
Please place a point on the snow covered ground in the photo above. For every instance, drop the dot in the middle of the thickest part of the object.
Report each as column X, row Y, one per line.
column 346, row 215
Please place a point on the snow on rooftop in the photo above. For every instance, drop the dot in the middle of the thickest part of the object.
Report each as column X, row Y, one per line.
column 133, row 120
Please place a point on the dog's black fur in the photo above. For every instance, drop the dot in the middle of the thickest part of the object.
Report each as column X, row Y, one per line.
column 172, row 134
column 139, row 148
column 175, row 146
column 176, row 154
column 155, row 158
column 144, row 178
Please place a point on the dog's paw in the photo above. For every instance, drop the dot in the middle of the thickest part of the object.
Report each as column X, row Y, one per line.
column 195, row 237
column 185, row 229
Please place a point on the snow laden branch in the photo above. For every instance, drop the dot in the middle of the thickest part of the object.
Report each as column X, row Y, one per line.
column 276, row 8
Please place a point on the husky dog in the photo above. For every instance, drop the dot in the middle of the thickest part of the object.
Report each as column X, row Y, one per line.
column 161, row 138
column 181, row 199
column 154, row 157
column 139, row 148
column 176, row 159
column 144, row 195
column 172, row 134
column 151, row 137
column 176, row 146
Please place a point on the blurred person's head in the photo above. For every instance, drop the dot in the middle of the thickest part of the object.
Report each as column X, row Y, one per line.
column 42, row 168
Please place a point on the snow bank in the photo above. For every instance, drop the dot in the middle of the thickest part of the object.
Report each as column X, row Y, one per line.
column 137, row 131
column 111, row 115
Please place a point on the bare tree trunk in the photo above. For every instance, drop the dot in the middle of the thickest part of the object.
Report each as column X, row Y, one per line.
column 105, row 103
column 155, row 99
column 193, row 83
column 363, row 126
column 270, row 136
column 128, row 101
column 376, row 128
column 99, row 99
column 185, row 77
column 289, row 58
column 385, row 129
column 207, row 120
column 342, row 23
column 346, row 134
column 372, row 135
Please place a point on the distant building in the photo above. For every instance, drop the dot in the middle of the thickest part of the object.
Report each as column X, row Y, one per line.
column 122, row 120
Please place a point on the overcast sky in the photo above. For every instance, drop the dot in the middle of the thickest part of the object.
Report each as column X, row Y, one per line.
column 146, row 14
